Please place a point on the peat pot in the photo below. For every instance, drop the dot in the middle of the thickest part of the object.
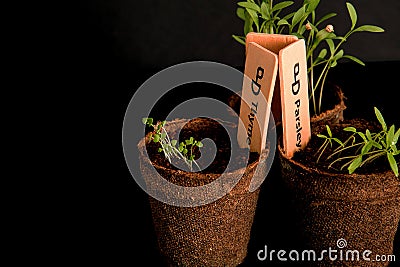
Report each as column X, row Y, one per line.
column 214, row 234
column 358, row 211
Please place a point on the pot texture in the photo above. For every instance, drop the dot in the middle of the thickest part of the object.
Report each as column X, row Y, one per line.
column 362, row 209
column 215, row 234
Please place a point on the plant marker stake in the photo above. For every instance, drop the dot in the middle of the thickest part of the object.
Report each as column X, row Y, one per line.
column 258, row 83
column 273, row 43
column 294, row 97
column 262, row 88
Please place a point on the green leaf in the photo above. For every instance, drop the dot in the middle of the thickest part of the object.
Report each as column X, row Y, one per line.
column 326, row 17
column 368, row 134
column 173, row 142
column 265, row 11
column 331, row 46
column 160, row 149
column 282, row 22
column 323, row 53
column 250, row 6
column 312, row 5
column 350, row 129
column 180, row 148
column 148, row 121
column 298, row 15
column 355, row 164
column 380, row 119
column 390, row 136
column 156, row 138
column 396, row 136
column 333, row 64
column 323, row 35
column 366, row 148
column 199, row 144
column 288, row 16
column 338, row 55
column 354, row 59
column 264, row 26
column 314, row 29
column 322, row 136
column 328, row 129
column 368, row 28
column 281, row 5
column 375, row 144
column 254, row 17
column 302, row 29
column 338, row 141
column 353, row 14
column 240, row 39
column 240, row 13
column 189, row 141
column 248, row 23
column 362, row 136
column 393, row 164
column 185, row 151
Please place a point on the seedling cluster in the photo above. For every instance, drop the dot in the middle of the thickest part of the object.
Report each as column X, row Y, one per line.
column 368, row 146
column 266, row 17
column 184, row 151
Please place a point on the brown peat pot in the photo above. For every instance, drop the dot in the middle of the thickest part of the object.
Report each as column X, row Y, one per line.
column 344, row 211
column 214, row 234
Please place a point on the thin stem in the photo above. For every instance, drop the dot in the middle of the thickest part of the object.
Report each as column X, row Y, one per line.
column 378, row 154
column 322, row 149
column 312, row 85
column 339, row 159
column 322, row 89
column 343, row 149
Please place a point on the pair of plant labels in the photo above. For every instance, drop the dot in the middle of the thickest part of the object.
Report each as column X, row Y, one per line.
column 265, row 53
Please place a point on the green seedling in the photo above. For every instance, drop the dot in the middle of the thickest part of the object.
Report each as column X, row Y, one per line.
column 368, row 147
column 169, row 147
column 329, row 140
column 323, row 46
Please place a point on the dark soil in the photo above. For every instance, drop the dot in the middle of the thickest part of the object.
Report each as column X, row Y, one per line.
column 199, row 129
column 309, row 156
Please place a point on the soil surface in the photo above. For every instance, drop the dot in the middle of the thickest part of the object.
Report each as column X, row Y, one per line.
column 199, row 129
column 309, row 155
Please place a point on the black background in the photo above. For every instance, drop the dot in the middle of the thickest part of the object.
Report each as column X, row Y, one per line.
column 120, row 44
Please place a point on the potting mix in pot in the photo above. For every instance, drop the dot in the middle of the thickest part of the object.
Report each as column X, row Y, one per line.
column 342, row 174
column 345, row 185
column 213, row 234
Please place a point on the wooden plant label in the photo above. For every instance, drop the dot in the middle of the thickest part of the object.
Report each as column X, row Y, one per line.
column 273, row 43
column 294, row 97
column 288, row 97
column 258, row 83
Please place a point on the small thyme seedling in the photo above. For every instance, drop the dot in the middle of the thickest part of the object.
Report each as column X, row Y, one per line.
column 368, row 147
column 169, row 147
column 266, row 17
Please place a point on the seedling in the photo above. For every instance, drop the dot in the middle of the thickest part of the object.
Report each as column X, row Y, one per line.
column 367, row 146
column 169, row 147
column 329, row 140
column 266, row 17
